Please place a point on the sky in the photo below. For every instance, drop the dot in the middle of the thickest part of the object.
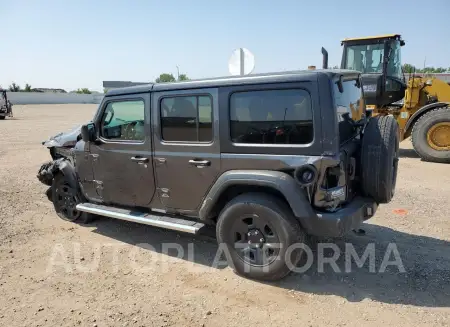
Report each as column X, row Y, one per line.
column 74, row 44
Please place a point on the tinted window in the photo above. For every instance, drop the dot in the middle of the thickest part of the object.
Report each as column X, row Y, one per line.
column 349, row 102
column 271, row 117
column 123, row 120
column 186, row 119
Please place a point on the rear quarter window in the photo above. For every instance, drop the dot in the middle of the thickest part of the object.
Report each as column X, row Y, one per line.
column 271, row 117
column 350, row 102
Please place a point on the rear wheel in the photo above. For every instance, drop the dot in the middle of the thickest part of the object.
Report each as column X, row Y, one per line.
column 379, row 156
column 257, row 230
column 65, row 198
column 431, row 136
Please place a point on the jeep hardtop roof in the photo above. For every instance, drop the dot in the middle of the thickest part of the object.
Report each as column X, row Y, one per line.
column 275, row 77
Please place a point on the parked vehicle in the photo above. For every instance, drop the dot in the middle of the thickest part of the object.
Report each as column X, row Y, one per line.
column 5, row 105
column 420, row 105
column 267, row 159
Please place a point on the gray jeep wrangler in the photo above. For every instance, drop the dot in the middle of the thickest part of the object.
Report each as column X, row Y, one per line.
column 268, row 159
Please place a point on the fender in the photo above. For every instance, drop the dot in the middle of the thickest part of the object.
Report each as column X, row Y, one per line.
column 279, row 181
column 50, row 169
column 421, row 111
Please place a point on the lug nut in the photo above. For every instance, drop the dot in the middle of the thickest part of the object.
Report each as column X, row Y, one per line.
column 249, row 242
column 261, row 240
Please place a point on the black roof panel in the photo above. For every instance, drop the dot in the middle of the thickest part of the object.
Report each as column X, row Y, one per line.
column 276, row 77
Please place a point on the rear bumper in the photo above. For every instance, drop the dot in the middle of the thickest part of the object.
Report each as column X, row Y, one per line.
column 338, row 223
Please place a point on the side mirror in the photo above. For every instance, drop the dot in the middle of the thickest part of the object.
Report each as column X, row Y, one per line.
column 88, row 132
column 340, row 85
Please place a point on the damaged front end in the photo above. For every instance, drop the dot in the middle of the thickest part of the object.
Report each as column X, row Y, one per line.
column 61, row 150
column 61, row 144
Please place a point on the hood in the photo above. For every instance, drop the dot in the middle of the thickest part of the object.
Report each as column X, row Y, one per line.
column 64, row 139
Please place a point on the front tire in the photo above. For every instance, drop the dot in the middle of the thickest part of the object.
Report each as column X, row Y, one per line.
column 65, row 198
column 257, row 229
column 431, row 136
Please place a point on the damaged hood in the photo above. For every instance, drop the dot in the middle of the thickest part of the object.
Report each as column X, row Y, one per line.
column 64, row 139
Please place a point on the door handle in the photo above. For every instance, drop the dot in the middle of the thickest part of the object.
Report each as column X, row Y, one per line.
column 139, row 159
column 199, row 163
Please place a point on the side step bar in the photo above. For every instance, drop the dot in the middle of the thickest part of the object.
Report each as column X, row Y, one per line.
column 167, row 222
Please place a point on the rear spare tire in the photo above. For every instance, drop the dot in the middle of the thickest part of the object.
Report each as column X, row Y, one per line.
column 379, row 156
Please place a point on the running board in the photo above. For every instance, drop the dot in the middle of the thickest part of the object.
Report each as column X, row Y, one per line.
column 166, row 222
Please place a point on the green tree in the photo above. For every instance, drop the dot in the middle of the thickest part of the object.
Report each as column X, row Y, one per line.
column 433, row 70
column 83, row 91
column 14, row 87
column 165, row 78
column 408, row 69
column 183, row 77
column 27, row 88
column 105, row 90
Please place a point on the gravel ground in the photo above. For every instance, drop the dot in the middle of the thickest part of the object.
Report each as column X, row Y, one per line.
column 114, row 273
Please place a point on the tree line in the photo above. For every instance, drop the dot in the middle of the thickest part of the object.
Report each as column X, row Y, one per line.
column 163, row 78
column 410, row 69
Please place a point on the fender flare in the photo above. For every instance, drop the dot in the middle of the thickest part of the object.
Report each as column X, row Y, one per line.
column 420, row 112
column 279, row 181
column 50, row 169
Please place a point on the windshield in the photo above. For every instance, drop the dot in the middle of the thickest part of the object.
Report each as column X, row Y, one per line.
column 368, row 58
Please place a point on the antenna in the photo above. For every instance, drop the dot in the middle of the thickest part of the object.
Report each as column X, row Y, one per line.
column 241, row 62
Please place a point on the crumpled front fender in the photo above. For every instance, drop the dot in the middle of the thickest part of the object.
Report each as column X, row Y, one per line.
column 49, row 169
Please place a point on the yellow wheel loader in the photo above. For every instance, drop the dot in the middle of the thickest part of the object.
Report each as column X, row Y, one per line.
column 421, row 105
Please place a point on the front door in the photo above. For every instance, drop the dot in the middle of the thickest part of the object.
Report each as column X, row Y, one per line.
column 122, row 156
column 187, row 152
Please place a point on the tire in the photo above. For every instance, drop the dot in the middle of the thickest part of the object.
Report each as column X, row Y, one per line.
column 2, row 117
column 277, row 225
column 423, row 126
column 379, row 158
column 65, row 198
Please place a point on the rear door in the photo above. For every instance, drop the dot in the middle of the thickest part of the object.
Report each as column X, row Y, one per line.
column 122, row 156
column 187, row 151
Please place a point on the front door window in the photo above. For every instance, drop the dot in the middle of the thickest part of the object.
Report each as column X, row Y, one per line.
column 123, row 120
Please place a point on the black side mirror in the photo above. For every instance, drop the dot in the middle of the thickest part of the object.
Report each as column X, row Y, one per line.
column 340, row 85
column 88, row 132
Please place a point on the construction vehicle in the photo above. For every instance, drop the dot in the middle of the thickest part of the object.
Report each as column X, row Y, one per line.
column 421, row 105
column 5, row 105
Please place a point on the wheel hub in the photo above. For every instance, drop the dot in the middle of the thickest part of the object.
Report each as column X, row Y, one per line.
column 438, row 136
column 255, row 237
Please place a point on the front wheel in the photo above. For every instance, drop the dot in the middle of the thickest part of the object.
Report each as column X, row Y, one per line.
column 431, row 136
column 65, row 198
column 263, row 239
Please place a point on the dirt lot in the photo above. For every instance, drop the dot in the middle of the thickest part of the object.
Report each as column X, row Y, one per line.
column 56, row 273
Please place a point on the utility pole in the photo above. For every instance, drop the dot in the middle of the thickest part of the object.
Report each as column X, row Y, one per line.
column 178, row 73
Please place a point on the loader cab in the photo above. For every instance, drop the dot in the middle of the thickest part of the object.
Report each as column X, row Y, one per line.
column 378, row 58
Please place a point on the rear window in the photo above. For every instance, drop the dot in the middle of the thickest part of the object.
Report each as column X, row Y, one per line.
column 271, row 117
column 348, row 102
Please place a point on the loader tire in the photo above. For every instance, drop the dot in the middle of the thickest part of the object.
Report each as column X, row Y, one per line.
column 431, row 136
column 379, row 156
